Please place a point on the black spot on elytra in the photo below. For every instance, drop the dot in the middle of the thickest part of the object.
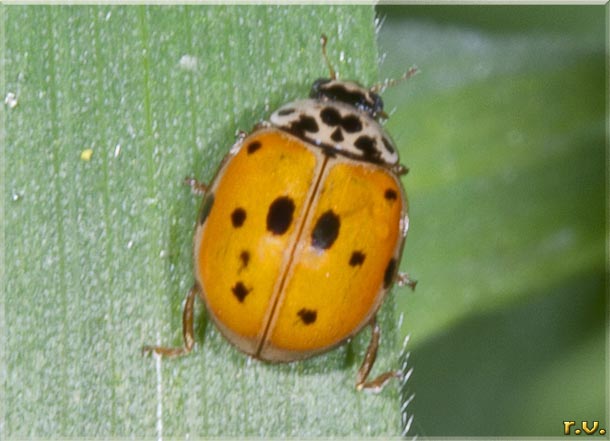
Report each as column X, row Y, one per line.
column 240, row 291
column 254, row 146
column 366, row 145
column 206, row 207
column 238, row 217
column 326, row 230
column 308, row 316
column 389, row 274
column 279, row 216
column 337, row 136
column 244, row 256
column 285, row 112
column 390, row 194
column 357, row 258
column 388, row 145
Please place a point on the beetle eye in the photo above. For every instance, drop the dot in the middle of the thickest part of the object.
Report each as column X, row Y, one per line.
column 377, row 104
column 316, row 87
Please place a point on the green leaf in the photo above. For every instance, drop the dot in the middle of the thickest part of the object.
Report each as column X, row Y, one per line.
column 504, row 133
column 98, row 248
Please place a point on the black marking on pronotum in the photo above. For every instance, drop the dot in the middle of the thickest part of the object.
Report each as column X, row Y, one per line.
column 309, row 124
column 328, row 150
column 388, row 145
column 366, row 145
column 337, row 136
column 370, row 103
column 308, row 316
column 279, row 216
column 390, row 194
column 326, row 230
column 285, row 112
column 389, row 274
column 330, row 116
column 206, row 207
column 244, row 257
column 351, row 124
column 332, row 150
column 357, row 258
column 302, row 125
column 238, row 217
column 240, row 291
column 254, row 146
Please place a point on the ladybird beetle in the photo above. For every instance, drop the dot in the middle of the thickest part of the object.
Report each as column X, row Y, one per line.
column 301, row 230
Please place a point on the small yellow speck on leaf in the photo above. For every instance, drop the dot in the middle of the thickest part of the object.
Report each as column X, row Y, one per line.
column 86, row 154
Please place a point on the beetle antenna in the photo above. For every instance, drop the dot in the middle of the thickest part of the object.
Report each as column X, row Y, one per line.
column 380, row 87
column 323, row 41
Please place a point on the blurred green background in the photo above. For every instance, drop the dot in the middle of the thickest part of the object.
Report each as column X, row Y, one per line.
column 504, row 132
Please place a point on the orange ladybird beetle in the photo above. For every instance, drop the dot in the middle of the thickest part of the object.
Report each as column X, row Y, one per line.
column 301, row 231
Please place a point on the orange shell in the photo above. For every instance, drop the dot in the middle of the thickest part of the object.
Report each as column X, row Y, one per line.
column 295, row 249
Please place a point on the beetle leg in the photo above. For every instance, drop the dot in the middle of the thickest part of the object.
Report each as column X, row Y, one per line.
column 377, row 384
column 403, row 279
column 400, row 169
column 261, row 125
column 240, row 135
column 187, row 330
column 198, row 188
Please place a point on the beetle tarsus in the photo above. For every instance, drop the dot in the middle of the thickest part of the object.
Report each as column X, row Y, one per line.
column 241, row 134
column 377, row 384
column 197, row 188
column 400, row 169
column 187, row 330
column 403, row 279
column 163, row 351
